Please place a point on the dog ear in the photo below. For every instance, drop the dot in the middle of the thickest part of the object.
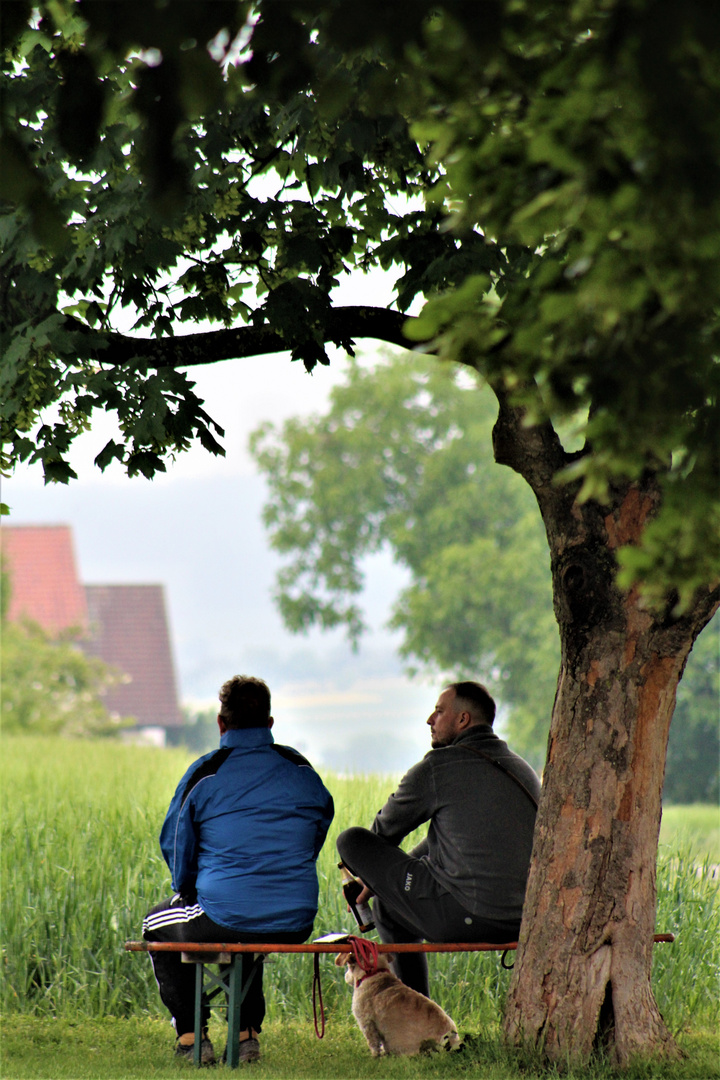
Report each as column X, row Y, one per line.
column 342, row 959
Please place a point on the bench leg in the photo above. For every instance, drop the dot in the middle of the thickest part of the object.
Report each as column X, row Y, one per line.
column 199, row 983
column 237, row 992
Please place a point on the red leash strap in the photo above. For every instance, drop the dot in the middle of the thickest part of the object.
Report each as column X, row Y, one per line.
column 317, row 992
column 365, row 953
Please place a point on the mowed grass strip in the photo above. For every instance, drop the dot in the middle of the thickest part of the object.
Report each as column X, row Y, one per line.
column 141, row 1048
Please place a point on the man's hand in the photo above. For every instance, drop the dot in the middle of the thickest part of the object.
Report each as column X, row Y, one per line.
column 365, row 895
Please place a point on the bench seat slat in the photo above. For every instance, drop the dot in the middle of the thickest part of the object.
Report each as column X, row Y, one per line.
column 328, row 946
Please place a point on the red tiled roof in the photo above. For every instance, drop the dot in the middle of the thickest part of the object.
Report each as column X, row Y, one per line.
column 44, row 586
column 128, row 629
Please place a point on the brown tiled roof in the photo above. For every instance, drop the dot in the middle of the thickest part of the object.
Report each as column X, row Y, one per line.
column 128, row 629
column 43, row 581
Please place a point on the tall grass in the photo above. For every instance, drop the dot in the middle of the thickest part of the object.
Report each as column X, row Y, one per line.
column 81, row 866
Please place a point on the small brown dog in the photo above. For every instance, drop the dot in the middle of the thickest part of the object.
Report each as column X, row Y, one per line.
column 392, row 1017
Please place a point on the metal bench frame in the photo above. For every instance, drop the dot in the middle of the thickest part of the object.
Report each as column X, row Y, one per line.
column 202, row 953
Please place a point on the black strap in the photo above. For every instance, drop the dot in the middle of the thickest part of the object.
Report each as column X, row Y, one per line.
column 206, row 768
column 501, row 767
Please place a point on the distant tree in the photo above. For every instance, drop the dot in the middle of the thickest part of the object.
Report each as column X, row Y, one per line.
column 403, row 457
column 49, row 687
column 693, row 763
column 198, row 732
column 546, row 177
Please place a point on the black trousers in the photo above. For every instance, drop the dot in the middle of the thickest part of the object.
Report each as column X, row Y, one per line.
column 411, row 905
column 177, row 920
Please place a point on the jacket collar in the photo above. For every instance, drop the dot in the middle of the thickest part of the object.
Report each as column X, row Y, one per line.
column 477, row 731
column 247, row 738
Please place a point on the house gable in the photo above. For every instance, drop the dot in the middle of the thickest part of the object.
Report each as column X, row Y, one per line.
column 128, row 629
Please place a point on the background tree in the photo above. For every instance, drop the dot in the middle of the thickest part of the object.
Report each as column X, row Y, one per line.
column 403, row 458
column 47, row 684
column 199, row 731
column 693, row 762
column 49, row 687
column 569, row 250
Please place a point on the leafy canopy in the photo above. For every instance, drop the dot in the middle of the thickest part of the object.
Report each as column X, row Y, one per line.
column 545, row 176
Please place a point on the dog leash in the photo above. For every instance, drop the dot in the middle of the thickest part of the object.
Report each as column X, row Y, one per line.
column 365, row 954
column 317, row 996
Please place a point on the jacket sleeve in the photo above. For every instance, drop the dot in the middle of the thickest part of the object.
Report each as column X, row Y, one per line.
column 410, row 805
column 178, row 842
column 325, row 821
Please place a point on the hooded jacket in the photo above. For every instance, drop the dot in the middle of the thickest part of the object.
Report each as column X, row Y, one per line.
column 243, row 833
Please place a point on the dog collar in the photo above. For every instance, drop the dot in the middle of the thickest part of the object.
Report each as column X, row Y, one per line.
column 369, row 975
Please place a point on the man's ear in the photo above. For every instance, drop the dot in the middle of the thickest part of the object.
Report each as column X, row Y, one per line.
column 221, row 725
column 271, row 721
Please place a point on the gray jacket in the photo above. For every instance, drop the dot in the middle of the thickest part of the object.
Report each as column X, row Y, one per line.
column 480, row 836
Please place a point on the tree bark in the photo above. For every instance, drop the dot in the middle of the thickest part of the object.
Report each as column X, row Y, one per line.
column 582, row 976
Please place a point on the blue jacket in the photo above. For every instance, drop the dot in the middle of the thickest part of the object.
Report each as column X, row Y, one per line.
column 243, row 832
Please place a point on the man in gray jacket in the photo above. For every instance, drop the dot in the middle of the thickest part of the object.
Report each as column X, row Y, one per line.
column 466, row 880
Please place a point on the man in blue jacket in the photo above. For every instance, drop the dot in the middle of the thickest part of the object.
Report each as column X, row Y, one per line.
column 241, row 839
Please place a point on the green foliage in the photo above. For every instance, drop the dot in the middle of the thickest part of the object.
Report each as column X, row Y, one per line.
column 693, row 760
column 49, row 687
column 403, row 458
column 568, row 243
column 198, row 733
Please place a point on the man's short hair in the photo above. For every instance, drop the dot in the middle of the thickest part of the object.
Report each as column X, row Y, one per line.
column 474, row 698
column 244, row 702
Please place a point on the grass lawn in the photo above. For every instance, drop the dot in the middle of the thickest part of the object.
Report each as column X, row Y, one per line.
column 141, row 1049
column 696, row 826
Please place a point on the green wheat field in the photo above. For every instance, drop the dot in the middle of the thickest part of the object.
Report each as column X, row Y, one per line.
column 81, row 865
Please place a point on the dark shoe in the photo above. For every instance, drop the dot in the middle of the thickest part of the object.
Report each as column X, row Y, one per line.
column 249, row 1051
column 187, row 1053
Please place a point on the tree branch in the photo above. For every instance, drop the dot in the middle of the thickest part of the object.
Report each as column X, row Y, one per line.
column 532, row 450
column 343, row 325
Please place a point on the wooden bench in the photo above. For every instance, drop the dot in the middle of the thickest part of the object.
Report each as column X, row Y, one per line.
column 202, row 953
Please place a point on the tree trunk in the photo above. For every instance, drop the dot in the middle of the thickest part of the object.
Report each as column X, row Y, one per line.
column 582, row 975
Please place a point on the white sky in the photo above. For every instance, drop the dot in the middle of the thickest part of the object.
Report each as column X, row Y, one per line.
column 197, row 530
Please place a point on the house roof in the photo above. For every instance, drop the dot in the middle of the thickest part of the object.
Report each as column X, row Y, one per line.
column 125, row 625
column 44, row 585
column 129, row 629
